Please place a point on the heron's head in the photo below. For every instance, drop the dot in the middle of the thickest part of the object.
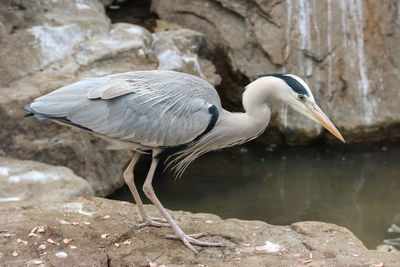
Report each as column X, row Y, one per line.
column 296, row 93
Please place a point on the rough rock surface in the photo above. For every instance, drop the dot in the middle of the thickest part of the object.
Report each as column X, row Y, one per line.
column 346, row 50
column 25, row 180
column 76, row 227
column 49, row 44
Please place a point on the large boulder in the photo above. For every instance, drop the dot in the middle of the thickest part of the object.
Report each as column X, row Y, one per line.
column 78, row 232
column 49, row 44
column 26, row 180
column 346, row 50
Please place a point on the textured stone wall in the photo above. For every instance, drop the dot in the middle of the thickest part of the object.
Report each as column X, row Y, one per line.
column 347, row 51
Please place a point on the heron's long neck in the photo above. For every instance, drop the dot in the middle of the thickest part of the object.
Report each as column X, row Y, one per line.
column 251, row 123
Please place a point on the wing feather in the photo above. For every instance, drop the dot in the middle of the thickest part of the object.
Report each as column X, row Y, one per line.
column 150, row 108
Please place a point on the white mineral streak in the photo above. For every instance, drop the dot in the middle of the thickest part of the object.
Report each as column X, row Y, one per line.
column 270, row 247
column 363, row 85
column 287, row 52
column 56, row 42
column 9, row 199
column 305, row 36
column 76, row 207
column 4, row 171
column 343, row 9
column 329, row 44
column 34, row 176
column 169, row 59
column 194, row 59
column 61, row 255
column 314, row 12
column 80, row 4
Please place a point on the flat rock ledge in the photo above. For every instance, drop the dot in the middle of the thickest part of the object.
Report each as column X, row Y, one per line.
column 89, row 231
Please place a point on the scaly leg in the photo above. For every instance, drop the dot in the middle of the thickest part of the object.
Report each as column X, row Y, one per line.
column 188, row 240
column 129, row 180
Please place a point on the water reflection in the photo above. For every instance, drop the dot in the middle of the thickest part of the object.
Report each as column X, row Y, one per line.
column 354, row 187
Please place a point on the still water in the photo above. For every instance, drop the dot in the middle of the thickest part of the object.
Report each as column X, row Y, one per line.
column 355, row 187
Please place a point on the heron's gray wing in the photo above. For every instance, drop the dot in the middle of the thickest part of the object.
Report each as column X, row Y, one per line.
column 153, row 108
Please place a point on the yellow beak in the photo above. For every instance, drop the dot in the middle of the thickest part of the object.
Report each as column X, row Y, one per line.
column 320, row 116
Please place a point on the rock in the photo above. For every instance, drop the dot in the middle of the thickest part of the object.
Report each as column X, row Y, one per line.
column 179, row 50
column 346, row 51
column 49, row 44
column 25, row 180
column 112, row 242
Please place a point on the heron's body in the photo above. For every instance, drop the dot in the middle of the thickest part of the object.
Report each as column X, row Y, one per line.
column 169, row 113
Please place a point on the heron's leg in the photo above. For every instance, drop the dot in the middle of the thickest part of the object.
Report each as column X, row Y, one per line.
column 188, row 240
column 129, row 180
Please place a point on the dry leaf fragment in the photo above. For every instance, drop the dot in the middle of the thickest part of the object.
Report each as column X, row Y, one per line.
column 246, row 244
column 42, row 246
column 354, row 255
column 270, row 174
column 117, row 245
column 75, row 223
column 51, row 241
column 20, row 241
column 37, row 262
column 7, row 235
column 106, row 217
column 306, row 261
column 72, row 247
column 237, row 259
column 152, row 264
column 15, row 254
column 32, row 234
column 43, row 253
column 66, row 241
column 40, row 229
column 86, row 223
column 127, row 242
column 104, row 236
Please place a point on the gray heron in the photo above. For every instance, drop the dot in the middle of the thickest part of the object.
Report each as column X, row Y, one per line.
column 169, row 113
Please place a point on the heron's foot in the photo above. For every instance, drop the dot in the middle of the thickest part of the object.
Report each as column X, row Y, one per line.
column 157, row 222
column 190, row 240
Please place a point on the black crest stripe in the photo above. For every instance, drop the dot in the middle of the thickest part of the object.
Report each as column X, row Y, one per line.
column 292, row 82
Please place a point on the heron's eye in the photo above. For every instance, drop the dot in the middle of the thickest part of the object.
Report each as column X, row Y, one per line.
column 301, row 97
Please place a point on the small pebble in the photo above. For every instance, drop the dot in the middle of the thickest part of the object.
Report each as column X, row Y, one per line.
column 61, row 255
column 354, row 255
column 37, row 262
column 72, row 247
column 237, row 259
column 104, row 236
column 86, row 223
column 127, row 242
column 152, row 264
column 117, row 245
column 66, row 241
column 15, row 254
column 20, row 241
column 246, row 244
column 75, row 223
column 106, row 217
column 40, row 230
column 42, row 246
